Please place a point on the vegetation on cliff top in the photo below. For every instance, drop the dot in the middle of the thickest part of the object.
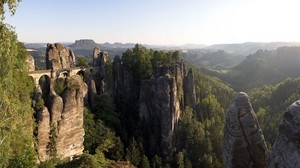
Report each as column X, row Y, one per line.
column 16, row 123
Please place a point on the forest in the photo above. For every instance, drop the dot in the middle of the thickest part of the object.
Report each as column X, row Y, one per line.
column 114, row 131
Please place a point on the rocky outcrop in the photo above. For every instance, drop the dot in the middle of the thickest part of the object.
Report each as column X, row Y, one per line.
column 30, row 63
column 101, row 61
column 60, row 124
column 43, row 131
column 70, row 132
column 96, row 54
column 59, row 57
column 189, row 89
column 244, row 144
column 285, row 151
column 159, row 102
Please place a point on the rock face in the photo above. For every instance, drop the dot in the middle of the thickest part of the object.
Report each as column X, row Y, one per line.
column 159, row 101
column 59, row 57
column 63, row 117
column 189, row 89
column 70, row 132
column 244, row 143
column 162, row 99
column 30, row 63
column 101, row 61
column 285, row 151
column 43, row 129
column 96, row 54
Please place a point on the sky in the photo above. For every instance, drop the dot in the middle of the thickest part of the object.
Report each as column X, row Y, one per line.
column 163, row 22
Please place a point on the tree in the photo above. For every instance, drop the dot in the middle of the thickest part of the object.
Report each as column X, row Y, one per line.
column 12, row 6
column 15, row 89
column 144, row 162
column 157, row 162
column 179, row 160
column 82, row 62
column 134, row 152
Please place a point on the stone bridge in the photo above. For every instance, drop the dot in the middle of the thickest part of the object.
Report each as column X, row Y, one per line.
column 60, row 73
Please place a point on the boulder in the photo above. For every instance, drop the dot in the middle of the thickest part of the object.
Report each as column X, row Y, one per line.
column 244, row 143
column 285, row 152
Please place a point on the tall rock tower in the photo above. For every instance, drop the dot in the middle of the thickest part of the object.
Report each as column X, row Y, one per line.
column 244, row 143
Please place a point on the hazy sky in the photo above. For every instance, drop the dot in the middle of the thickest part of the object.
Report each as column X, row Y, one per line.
column 158, row 21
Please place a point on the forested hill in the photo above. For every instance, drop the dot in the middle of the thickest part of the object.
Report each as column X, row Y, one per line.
column 270, row 101
column 263, row 67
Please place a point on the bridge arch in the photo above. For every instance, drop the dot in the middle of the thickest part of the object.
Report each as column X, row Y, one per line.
column 45, row 84
column 63, row 73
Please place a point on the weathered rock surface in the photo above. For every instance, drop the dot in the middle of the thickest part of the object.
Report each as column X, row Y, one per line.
column 286, row 149
column 70, row 132
column 159, row 102
column 59, row 57
column 244, row 143
column 43, row 131
column 30, row 63
column 56, row 109
column 100, row 76
column 96, row 54
column 63, row 117
column 189, row 89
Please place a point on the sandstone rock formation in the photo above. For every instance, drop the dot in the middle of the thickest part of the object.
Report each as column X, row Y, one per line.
column 285, row 152
column 162, row 99
column 62, row 120
column 96, row 54
column 244, row 144
column 59, row 57
column 30, row 63
column 100, row 76
column 189, row 89
column 43, row 131
column 159, row 102
column 70, row 132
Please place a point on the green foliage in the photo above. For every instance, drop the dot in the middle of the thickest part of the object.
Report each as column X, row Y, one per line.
column 16, row 140
column 60, row 85
column 100, row 140
column 144, row 162
column 179, row 160
column 270, row 102
column 51, row 147
column 134, row 152
column 104, row 110
column 12, row 6
column 82, row 62
column 157, row 162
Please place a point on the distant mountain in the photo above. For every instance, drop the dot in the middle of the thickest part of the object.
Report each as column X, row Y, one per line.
column 84, row 44
column 218, row 60
column 250, row 47
column 263, row 67
column 117, row 45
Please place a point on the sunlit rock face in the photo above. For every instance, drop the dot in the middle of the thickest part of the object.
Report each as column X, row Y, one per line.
column 59, row 57
column 244, row 143
column 30, row 63
column 286, row 149
column 70, row 132
column 60, row 130
column 43, row 131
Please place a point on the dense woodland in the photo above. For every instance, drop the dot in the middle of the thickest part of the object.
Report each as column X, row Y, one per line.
column 113, row 131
